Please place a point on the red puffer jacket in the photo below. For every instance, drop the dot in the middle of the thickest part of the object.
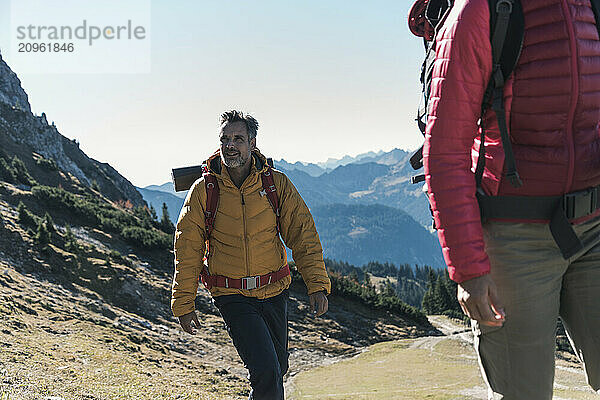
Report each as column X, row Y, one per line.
column 552, row 105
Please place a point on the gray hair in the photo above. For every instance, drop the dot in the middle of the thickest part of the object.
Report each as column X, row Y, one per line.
column 238, row 116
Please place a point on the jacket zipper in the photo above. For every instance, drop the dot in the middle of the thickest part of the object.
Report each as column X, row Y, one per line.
column 245, row 236
column 574, row 94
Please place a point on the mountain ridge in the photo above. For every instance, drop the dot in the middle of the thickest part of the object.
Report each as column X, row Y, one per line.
column 19, row 127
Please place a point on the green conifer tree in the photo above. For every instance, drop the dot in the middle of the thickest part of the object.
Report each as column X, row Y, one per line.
column 165, row 222
column 7, row 174
column 71, row 241
column 367, row 280
column 42, row 236
column 25, row 217
column 21, row 173
column 49, row 223
column 153, row 213
column 428, row 303
column 442, row 299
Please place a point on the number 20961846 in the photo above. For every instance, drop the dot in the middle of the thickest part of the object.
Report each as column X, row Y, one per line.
column 26, row 47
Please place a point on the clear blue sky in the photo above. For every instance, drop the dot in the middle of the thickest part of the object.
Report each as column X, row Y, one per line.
column 324, row 79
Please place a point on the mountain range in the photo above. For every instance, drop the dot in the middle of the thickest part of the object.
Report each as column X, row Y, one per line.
column 348, row 198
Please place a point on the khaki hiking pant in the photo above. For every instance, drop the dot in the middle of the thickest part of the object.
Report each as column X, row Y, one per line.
column 537, row 286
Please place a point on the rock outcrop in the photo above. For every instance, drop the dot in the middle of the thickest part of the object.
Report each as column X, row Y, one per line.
column 11, row 92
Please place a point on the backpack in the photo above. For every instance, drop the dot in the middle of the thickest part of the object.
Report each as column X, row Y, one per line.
column 507, row 29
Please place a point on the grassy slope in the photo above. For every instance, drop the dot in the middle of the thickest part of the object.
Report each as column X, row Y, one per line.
column 433, row 368
column 55, row 343
column 110, row 335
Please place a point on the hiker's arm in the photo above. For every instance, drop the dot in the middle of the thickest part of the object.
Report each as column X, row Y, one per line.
column 460, row 75
column 189, row 251
column 299, row 234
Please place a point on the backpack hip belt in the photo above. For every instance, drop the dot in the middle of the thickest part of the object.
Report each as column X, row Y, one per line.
column 557, row 209
column 250, row 282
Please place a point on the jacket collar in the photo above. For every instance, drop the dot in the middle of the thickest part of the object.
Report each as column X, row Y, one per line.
column 216, row 166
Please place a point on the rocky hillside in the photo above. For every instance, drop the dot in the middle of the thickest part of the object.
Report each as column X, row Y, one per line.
column 31, row 138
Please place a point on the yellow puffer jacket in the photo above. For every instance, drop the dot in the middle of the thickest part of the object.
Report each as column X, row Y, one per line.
column 244, row 241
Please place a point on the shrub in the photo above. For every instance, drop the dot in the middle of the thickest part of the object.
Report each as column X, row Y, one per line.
column 62, row 200
column 42, row 236
column 7, row 173
column 94, row 211
column 150, row 239
column 47, row 163
column 387, row 300
column 21, row 173
column 145, row 215
column 117, row 257
column 71, row 243
column 49, row 223
column 111, row 225
column 26, row 217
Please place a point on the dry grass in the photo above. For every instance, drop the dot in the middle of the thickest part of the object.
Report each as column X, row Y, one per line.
column 443, row 368
column 65, row 351
column 79, row 360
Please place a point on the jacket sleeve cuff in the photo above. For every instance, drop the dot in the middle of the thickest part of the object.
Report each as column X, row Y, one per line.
column 182, row 309
column 462, row 277
column 320, row 287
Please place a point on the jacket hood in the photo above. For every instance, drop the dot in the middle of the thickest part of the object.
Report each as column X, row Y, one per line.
column 215, row 165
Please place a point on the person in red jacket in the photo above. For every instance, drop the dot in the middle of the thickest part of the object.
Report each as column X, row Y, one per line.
column 513, row 280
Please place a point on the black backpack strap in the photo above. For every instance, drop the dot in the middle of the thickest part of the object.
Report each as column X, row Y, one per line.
column 559, row 210
column 435, row 13
column 507, row 28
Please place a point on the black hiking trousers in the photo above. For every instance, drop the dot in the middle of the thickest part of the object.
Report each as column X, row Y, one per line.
column 259, row 332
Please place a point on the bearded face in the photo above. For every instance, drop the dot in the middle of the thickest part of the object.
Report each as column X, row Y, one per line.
column 233, row 160
column 236, row 147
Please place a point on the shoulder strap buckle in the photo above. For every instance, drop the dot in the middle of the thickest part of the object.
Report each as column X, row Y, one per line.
column 504, row 7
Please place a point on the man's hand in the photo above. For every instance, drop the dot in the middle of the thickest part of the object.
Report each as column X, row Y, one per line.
column 189, row 322
column 318, row 303
column 478, row 298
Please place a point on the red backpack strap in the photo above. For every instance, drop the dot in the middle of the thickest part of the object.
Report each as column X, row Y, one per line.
column 210, row 212
column 271, row 192
column 212, row 200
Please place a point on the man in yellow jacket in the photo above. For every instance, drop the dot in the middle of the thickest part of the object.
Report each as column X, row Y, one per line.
column 241, row 256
